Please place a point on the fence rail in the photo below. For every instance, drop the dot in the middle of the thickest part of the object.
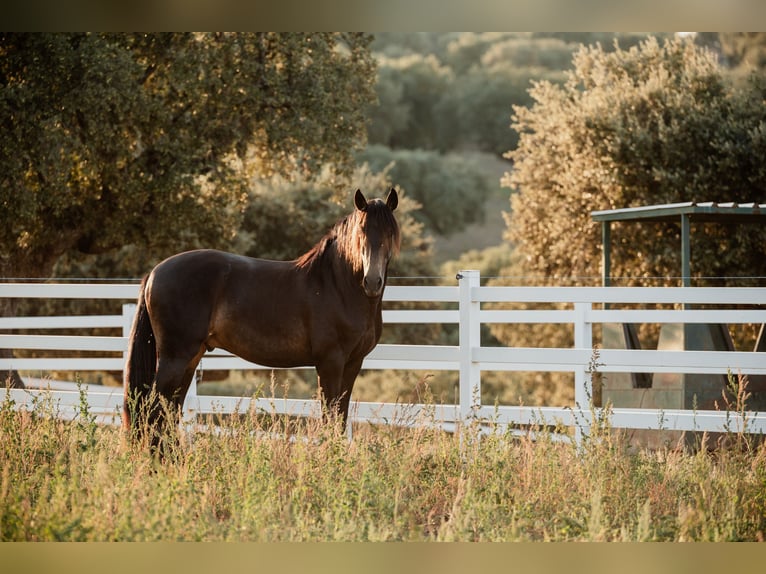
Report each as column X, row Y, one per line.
column 586, row 307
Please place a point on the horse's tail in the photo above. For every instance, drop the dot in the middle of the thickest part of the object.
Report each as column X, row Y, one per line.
column 141, row 362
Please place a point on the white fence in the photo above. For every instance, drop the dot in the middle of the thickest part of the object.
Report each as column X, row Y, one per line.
column 585, row 307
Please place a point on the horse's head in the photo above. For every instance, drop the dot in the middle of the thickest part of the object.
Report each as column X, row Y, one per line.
column 378, row 240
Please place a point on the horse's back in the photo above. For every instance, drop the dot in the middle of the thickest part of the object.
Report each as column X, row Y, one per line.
column 201, row 264
column 255, row 308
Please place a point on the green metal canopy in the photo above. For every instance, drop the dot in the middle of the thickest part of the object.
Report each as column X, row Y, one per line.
column 729, row 213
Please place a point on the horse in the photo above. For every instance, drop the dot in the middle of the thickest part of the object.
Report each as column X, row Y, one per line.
column 323, row 309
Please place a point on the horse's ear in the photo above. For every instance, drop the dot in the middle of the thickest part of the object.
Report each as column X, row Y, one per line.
column 360, row 201
column 392, row 200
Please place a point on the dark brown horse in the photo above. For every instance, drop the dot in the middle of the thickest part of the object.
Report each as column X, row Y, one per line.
column 322, row 309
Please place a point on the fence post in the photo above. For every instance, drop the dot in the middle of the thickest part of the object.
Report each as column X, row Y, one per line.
column 470, row 337
column 128, row 312
column 191, row 404
column 583, row 391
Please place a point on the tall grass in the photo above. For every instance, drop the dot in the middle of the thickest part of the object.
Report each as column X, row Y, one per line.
column 263, row 478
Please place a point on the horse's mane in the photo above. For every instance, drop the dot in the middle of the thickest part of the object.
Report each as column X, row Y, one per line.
column 344, row 238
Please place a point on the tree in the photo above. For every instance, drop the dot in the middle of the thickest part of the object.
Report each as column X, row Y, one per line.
column 148, row 140
column 410, row 86
column 476, row 111
column 609, row 41
column 110, row 140
column 451, row 189
column 534, row 53
column 285, row 218
column 745, row 51
column 397, row 44
column 467, row 50
column 655, row 124
column 454, row 91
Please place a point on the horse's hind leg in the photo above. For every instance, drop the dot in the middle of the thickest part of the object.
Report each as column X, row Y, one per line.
column 174, row 375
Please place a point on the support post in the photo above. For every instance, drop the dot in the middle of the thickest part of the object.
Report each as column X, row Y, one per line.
column 191, row 404
column 685, row 251
column 128, row 312
column 606, row 253
column 470, row 338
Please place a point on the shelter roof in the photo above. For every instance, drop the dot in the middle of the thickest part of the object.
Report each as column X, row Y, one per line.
column 708, row 211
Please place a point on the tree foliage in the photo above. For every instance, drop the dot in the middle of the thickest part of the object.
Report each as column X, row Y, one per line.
column 476, row 111
column 658, row 123
column 528, row 52
column 409, row 87
column 119, row 149
column 651, row 125
column 451, row 190
column 285, row 218
column 452, row 91
column 743, row 52
column 115, row 139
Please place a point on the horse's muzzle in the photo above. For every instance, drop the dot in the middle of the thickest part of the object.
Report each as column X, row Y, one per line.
column 373, row 286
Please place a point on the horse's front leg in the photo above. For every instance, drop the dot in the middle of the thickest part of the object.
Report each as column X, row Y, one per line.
column 350, row 372
column 330, row 375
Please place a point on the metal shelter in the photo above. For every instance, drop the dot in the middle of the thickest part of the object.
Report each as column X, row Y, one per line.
column 677, row 390
column 684, row 213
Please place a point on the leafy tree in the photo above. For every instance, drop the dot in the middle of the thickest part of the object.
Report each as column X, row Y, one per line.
column 391, row 115
column 743, row 53
column 140, row 139
column 398, row 44
column 655, row 124
column 526, row 52
column 410, row 88
column 467, row 50
column 743, row 49
column 451, row 190
column 148, row 140
column 454, row 91
column 609, row 41
column 285, row 218
column 476, row 111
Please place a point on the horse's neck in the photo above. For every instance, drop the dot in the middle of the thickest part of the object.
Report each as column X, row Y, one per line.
column 343, row 275
column 349, row 283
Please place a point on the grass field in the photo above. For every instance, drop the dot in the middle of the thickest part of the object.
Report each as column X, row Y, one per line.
column 264, row 479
